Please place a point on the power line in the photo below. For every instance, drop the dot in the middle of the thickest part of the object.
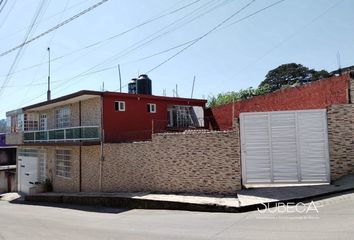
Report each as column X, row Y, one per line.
column 8, row 13
column 143, row 44
column 55, row 27
column 19, row 53
column 203, row 36
column 109, row 38
column 38, row 22
column 126, row 52
column 3, row 5
column 289, row 37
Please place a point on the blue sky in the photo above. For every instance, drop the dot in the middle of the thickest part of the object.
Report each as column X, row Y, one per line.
column 235, row 56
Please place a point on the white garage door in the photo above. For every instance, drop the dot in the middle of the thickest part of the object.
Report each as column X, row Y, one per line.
column 31, row 168
column 284, row 147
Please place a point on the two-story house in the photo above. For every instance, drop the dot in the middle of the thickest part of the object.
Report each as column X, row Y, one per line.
column 7, row 166
column 59, row 138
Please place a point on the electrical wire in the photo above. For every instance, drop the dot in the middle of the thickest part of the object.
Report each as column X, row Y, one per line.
column 42, row 20
column 8, row 13
column 201, row 37
column 289, row 37
column 55, row 27
column 19, row 52
column 109, row 38
column 125, row 52
column 3, row 5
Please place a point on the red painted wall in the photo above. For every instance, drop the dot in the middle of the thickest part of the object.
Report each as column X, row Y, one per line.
column 317, row 95
column 135, row 123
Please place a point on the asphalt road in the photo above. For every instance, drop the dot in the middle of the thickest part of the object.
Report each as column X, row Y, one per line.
column 334, row 220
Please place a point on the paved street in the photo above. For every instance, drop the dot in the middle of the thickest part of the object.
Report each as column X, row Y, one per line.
column 21, row 221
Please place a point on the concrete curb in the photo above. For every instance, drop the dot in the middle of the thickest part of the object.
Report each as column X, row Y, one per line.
column 138, row 203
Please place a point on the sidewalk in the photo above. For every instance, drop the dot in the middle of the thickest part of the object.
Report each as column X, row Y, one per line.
column 246, row 200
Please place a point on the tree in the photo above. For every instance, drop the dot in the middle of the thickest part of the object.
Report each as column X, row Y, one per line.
column 229, row 97
column 291, row 73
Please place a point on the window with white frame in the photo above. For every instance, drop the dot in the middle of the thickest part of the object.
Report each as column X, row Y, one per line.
column 63, row 163
column 62, row 117
column 43, row 121
column 119, row 106
column 30, row 121
column 42, row 168
column 151, row 107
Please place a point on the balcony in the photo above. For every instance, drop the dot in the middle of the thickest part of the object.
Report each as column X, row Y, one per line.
column 72, row 134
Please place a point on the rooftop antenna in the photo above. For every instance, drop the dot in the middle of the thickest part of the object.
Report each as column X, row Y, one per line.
column 48, row 92
column 120, row 79
column 173, row 92
column 102, row 88
column 193, row 87
column 339, row 65
column 176, row 90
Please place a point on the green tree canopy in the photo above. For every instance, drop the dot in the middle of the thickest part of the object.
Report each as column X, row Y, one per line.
column 291, row 73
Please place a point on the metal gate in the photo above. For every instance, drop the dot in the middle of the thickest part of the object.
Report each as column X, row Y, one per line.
column 284, row 147
column 31, row 168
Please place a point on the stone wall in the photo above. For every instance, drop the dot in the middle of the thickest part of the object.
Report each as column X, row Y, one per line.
column 341, row 139
column 90, row 113
column 14, row 138
column 90, row 168
column 62, row 184
column 315, row 95
column 195, row 162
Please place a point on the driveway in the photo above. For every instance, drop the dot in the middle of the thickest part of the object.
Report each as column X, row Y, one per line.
column 334, row 220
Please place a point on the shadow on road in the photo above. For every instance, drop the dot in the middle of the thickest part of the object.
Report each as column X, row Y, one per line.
column 87, row 208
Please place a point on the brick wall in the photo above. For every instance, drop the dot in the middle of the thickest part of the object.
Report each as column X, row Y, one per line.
column 341, row 139
column 203, row 162
column 317, row 95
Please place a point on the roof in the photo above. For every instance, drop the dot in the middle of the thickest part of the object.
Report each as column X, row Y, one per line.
column 67, row 99
column 87, row 94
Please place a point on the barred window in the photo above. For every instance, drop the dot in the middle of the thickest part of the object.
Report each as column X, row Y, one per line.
column 63, row 163
column 62, row 117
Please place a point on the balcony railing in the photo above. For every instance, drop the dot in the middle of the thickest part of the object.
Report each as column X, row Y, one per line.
column 82, row 133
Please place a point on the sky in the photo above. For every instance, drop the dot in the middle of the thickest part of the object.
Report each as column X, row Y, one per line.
column 235, row 56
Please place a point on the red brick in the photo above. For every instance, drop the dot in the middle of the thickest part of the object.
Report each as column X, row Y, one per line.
column 316, row 95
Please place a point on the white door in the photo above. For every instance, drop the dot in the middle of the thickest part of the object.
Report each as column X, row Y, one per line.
column 284, row 147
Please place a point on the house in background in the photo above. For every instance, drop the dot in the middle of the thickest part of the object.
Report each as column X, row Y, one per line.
column 58, row 138
column 7, row 166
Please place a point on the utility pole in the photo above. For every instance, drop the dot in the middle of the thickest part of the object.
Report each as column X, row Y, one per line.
column 193, row 87
column 339, row 65
column 120, row 79
column 48, row 92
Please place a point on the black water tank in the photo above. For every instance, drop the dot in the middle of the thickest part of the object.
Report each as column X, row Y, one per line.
column 132, row 86
column 143, row 85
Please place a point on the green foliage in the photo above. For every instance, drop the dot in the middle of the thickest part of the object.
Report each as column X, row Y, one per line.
column 225, row 98
column 284, row 76
column 290, row 74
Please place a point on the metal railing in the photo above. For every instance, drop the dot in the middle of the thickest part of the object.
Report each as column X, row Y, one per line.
column 81, row 133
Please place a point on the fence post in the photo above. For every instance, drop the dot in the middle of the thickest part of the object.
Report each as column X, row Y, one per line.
column 152, row 127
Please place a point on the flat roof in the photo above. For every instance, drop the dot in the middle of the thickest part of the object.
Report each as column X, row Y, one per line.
column 87, row 94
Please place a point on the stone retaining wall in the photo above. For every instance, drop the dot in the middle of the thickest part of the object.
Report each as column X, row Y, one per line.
column 195, row 162
column 341, row 139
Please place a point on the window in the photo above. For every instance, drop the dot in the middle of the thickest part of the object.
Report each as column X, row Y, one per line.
column 151, row 107
column 62, row 117
column 30, row 122
column 63, row 163
column 119, row 106
column 43, row 121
